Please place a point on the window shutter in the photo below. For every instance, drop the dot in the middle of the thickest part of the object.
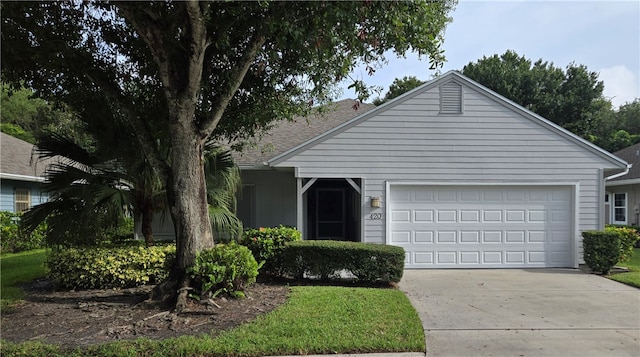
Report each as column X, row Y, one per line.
column 451, row 98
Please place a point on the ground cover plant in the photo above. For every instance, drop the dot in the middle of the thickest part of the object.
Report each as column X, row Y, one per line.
column 18, row 268
column 633, row 276
column 315, row 319
column 273, row 318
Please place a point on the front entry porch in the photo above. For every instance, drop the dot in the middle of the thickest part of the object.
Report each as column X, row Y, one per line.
column 330, row 209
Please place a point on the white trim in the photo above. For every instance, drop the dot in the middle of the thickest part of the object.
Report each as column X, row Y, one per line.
column 300, row 207
column 353, row 184
column 575, row 233
column 574, row 205
column 461, row 183
column 363, row 214
column 21, row 177
column 309, row 184
column 619, row 174
column 634, row 181
column 614, row 160
column 612, row 202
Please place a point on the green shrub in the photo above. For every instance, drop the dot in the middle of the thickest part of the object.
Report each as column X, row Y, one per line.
column 14, row 239
column 266, row 243
column 109, row 267
column 628, row 238
column 327, row 260
column 601, row 250
column 225, row 268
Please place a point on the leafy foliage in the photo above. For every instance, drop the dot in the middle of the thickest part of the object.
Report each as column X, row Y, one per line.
column 572, row 98
column 601, row 250
column 628, row 236
column 17, row 132
column 14, row 239
column 27, row 117
column 225, row 268
column 327, row 260
column 398, row 88
column 566, row 97
column 177, row 74
column 109, row 267
column 266, row 244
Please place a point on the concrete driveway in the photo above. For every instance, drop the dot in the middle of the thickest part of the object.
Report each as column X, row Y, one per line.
column 524, row 312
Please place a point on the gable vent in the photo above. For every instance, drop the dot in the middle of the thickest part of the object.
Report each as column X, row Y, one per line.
column 451, row 98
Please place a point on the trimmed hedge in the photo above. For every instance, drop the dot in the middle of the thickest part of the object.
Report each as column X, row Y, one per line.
column 109, row 267
column 601, row 250
column 629, row 236
column 265, row 244
column 328, row 260
column 225, row 268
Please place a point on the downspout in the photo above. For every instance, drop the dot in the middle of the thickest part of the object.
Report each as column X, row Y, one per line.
column 626, row 171
column 619, row 174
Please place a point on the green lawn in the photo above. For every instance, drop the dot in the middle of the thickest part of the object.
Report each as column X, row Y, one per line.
column 315, row 320
column 633, row 276
column 18, row 268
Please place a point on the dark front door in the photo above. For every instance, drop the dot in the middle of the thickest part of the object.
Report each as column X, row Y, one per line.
column 330, row 213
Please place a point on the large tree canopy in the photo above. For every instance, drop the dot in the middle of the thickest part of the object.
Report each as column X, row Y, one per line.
column 179, row 73
column 570, row 97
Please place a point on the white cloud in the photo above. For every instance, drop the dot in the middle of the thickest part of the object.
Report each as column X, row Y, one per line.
column 620, row 84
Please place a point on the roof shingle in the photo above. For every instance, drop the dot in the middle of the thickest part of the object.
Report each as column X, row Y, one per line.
column 631, row 155
column 16, row 158
column 286, row 134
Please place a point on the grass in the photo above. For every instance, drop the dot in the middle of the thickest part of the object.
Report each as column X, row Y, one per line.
column 633, row 276
column 315, row 320
column 18, row 268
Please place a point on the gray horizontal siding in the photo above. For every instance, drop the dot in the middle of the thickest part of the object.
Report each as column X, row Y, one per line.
column 487, row 143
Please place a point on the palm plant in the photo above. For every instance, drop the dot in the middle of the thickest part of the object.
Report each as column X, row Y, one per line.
column 223, row 181
column 92, row 191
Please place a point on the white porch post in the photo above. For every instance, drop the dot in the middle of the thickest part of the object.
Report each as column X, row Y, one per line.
column 299, row 207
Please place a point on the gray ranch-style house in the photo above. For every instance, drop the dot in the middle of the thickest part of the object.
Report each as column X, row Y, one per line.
column 622, row 198
column 457, row 175
column 21, row 178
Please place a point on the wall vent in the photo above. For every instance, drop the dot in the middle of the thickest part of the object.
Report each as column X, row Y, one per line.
column 451, row 98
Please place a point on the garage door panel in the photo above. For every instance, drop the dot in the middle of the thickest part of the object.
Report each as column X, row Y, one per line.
column 470, row 216
column 423, row 237
column 470, row 226
column 400, row 237
column 423, row 216
column 401, row 215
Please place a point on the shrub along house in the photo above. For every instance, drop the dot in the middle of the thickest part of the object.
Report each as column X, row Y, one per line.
column 457, row 175
column 622, row 199
column 21, row 177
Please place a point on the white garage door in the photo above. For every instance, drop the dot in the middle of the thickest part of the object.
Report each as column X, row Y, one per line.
column 481, row 226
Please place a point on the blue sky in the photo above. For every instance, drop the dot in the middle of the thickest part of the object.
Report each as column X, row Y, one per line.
column 602, row 35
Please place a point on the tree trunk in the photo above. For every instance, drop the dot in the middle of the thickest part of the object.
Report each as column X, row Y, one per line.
column 187, row 195
column 147, row 219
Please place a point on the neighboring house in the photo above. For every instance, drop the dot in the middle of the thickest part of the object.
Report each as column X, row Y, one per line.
column 622, row 199
column 457, row 175
column 21, row 177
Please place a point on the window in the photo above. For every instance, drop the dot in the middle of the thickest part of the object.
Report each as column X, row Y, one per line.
column 620, row 208
column 22, row 199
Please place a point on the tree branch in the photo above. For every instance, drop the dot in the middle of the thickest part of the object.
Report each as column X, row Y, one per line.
column 199, row 45
column 237, row 75
column 152, row 36
column 142, row 131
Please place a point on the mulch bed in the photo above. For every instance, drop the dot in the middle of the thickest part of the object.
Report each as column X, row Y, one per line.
column 81, row 318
